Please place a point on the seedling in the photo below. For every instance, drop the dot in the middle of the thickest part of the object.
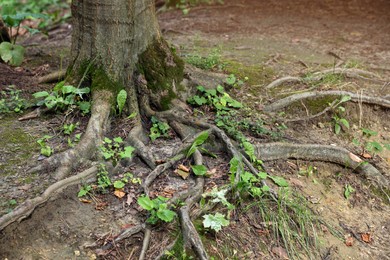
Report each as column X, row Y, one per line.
column 10, row 101
column 157, row 208
column 215, row 222
column 112, row 149
column 45, row 148
column 158, row 129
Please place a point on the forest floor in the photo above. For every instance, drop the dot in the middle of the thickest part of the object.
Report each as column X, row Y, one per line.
column 261, row 40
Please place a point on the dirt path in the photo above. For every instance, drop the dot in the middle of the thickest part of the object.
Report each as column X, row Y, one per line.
column 263, row 40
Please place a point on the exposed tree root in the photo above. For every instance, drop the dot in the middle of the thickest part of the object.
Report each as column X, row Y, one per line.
column 91, row 139
column 317, row 76
column 145, row 243
column 316, row 152
column 284, row 102
column 26, row 208
column 52, row 77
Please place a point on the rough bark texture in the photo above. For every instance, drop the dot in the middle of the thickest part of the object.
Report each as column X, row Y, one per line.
column 121, row 37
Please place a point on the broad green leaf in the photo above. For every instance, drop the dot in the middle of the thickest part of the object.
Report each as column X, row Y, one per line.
column 199, row 170
column 118, row 140
column 146, row 203
column 121, row 100
column 369, row 132
column 215, row 222
column 202, row 137
column 201, row 88
column 220, row 89
column 231, row 79
column 68, row 89
column 132, row 115
column 344, row 122
column 199, row 100
column 248, row 177
column 281, row 182
column 127, row 153
column 81, row 91
column 107, row 140
column 84, row 106
column 337, row 128
column 166, row 215
column 119, row 184
column 250, row 150
column 11, row 53
column 46, row 151
column 262, row 175
column 41, row 94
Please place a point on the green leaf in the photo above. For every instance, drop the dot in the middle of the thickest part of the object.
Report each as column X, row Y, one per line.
column 199, row 170
column 166, row 215
column 344, row 122
column 84, row 106
column 84, row 191
column 118, row 140
column 68, row 89
column 199, row 100
column 369, row 132
column 231, row 79
column 281, row 182
column 41, row 94
column 127, row 153
column 132, row 115
column 345, row 99
column 348, row 191
column 119, row 184
column 374, row 146
column 154, row 133
column 337, row 128
column 46, row 151
column 249, row 150
column 220, row 89
column 201, row 88
column 14, row 54
column 262, row 175
column 215, row 222
column 81, row 91
column 146, row 203
column 107, row 140
column 121, row 100
column 202, row 137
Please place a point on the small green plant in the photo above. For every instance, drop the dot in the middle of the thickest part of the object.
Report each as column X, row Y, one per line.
column 158, row 129
column 64, row 96
column 84, row 191
column 103, row 179
column 216, row 98
column 212, row 61
column 121, row 100
column 119, row 184
column 10, row 52
column 157, row 208
column 215, row 222
column 235, row 82
column 348, row 190
column 370, row 145
column 10, row 101
column 337, row 118
column 46, row 150
column 69, row 128
column 112, row 149
column 199, row 140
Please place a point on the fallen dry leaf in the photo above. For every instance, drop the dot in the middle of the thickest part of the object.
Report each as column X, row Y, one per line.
column 348, row 240
column 366, row 156
column 85, row 201
column 366, row 237
column 181, row 173
column 183, row 168
column 355, row 158
column 119, row 193
column 130, row 199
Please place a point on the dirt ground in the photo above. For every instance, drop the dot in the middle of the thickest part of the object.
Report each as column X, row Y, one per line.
column 263, row 40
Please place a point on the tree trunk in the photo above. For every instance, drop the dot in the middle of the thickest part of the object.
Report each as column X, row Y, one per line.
column 119, row 38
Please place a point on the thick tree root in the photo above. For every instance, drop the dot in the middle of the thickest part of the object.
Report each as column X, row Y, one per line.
column 327, row 153
column 317, row 76
column 134, row 140
column 282, row 103
column 91, row 139
column 26, row 208
column 52, row 77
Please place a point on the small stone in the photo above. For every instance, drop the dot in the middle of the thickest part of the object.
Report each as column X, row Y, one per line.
column 77, row 253
column 321, row 125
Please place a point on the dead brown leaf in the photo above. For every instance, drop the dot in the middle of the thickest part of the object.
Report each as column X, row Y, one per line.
column 85, row 201
column 355, row 158
column 349, row 240
column 366, row 237
column 183, row 168
column 130, row 199
column 119, row 193
column 181, row 173
column 366, row 156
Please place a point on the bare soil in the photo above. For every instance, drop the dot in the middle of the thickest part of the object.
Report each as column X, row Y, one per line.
column 263, row 40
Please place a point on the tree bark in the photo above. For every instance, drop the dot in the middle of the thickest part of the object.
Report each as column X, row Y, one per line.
column 119, row 38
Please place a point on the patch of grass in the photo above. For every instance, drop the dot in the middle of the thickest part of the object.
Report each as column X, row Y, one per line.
column 290, row 222
column 208, row 62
